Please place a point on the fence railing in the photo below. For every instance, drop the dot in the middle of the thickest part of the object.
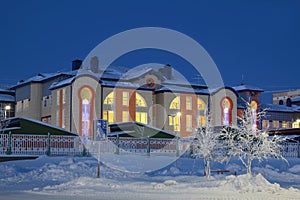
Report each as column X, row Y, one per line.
column 291, row 150
column 145, row 145
column 54, row 145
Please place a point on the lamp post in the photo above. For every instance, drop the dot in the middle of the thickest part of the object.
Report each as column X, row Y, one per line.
column 6, row 108
column 178, row 134
column 178, row 114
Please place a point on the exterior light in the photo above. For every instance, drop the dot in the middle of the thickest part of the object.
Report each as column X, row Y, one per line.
column 298, row 120
column 178, row 114
column 6, row 108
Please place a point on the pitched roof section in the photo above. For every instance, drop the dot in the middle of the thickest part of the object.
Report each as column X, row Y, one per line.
column 7, row 98
column 241, row 88
column 24, row 125
column 137, row 130
column 295, row 99
column 181, row 89
column 41, row 77
column 62, row 83
column 280, row 108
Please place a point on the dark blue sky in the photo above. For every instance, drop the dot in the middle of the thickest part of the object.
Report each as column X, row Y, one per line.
column 259, row 39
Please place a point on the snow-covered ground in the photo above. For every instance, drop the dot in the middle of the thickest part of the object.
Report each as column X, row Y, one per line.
column 75, row 178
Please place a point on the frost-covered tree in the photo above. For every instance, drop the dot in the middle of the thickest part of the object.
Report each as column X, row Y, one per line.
column 207, row 145
column 247, row 142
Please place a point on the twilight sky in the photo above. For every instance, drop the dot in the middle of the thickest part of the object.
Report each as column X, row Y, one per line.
column 257, row 39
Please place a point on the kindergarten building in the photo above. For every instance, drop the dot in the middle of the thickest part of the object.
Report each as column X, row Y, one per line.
column 158, row 97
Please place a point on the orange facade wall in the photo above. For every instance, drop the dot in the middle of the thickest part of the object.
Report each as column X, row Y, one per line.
column 120, row 107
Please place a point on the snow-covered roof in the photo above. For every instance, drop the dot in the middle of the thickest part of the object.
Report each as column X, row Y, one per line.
column 247, row 88
column 62, row 83
column 40, row 77
column 133, row 74
column 119, row 84
column 181, row 89
column 2, row 90
column 7, row 98
column 295, row 99
column 280, row 108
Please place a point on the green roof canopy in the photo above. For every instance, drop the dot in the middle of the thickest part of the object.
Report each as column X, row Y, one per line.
column 137, row 130
column 23, row 125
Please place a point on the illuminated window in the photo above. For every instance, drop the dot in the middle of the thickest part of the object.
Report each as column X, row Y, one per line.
column 284, row 124
column 141, row 117
column 174, row 121
column 175, row 104
column 171, row 120
column 201, row 113
column 87, row 97
column 265, row 124
column 109, row 116
column 140, row 101
column 226, row 109
column 125, row 116
column 201, row 121
column 188, row 102
column 296, row 124
column 201, row 105
column 85, row 117
column 109, row 98
column 189, row 123
column 275, row 124
column 125, row 101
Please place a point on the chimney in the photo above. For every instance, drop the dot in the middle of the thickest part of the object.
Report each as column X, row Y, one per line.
column 166, row 71
column 94, row 64
column 76, row 64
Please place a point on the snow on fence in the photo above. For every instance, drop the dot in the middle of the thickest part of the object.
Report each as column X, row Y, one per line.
column 291, row 150
column 54, row 145
column 146, row 145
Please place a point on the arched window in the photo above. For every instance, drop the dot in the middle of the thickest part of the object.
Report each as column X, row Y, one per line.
column 201, row 113
column 86, row 95
column 226, row 106
column 175, row 104
column 140, row 101
column 109, row 99
column 86, row 117
column 253, row 106
column 108, row 113
column 140, row 114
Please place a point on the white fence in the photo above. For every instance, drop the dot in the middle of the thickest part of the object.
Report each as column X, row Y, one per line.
column 291, row 150
column 54, row 145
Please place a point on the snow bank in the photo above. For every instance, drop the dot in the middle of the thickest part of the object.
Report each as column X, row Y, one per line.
column 249, row 183
column 181, row 180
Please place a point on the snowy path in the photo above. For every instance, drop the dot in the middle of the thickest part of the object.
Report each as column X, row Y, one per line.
column 74, row 178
